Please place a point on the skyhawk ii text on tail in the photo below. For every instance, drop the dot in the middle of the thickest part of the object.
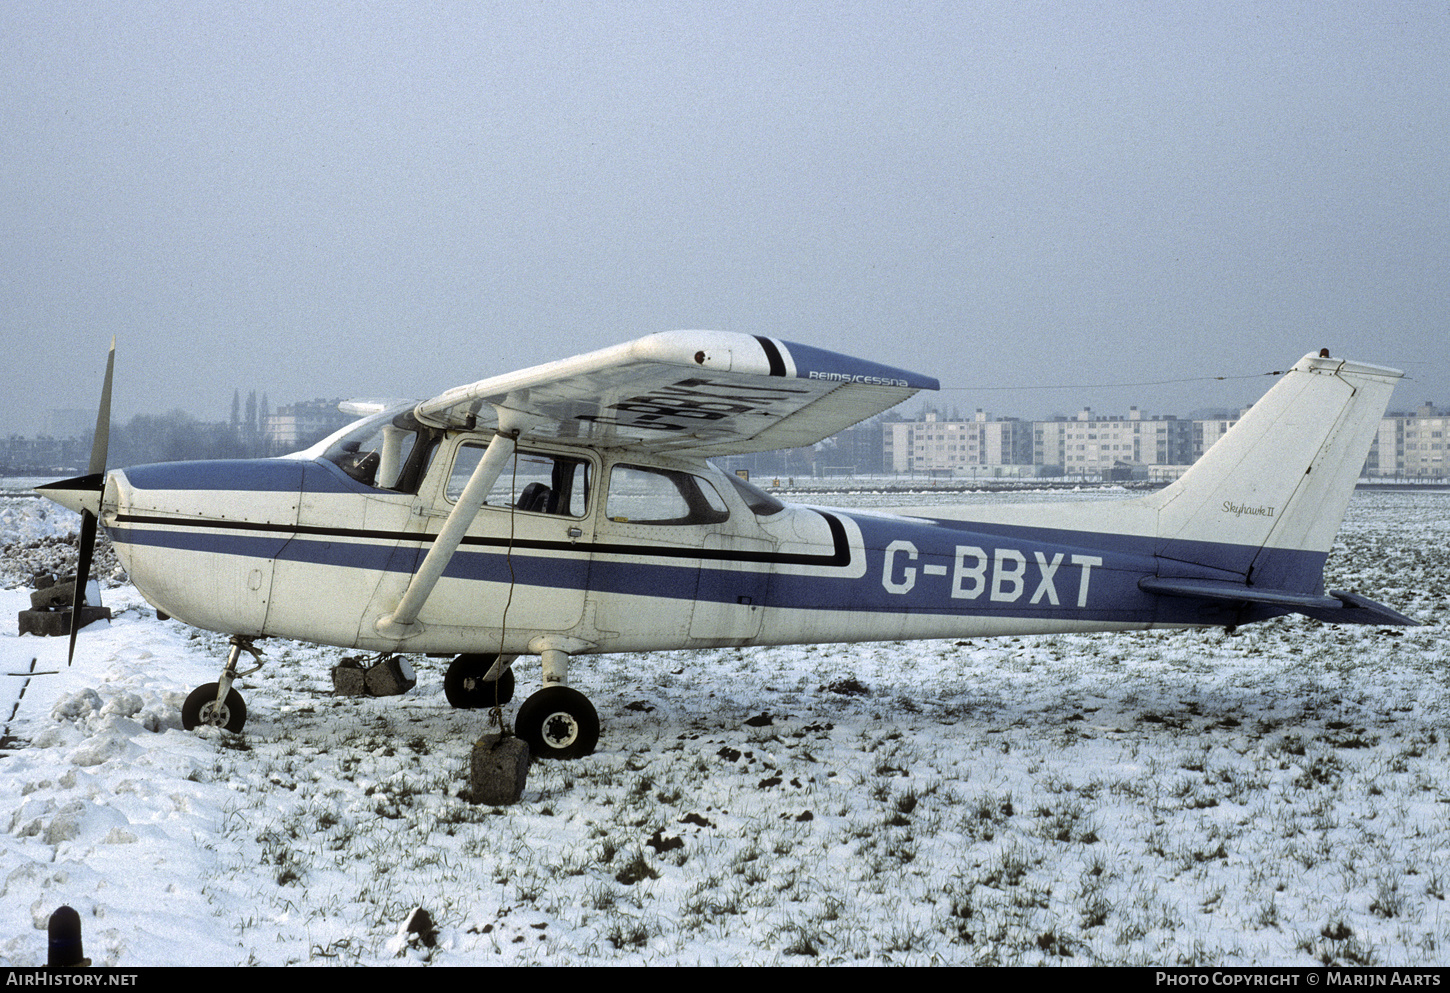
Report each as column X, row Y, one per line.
column 569, row 509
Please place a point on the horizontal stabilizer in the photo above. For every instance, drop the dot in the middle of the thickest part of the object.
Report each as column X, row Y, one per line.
column 1377, row 613
column 1337, row 608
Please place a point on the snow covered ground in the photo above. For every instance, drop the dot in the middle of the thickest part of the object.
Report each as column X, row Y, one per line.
column 1277, row 796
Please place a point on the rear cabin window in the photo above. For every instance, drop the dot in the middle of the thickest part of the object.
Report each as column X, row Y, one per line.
column 639, row 495
column 761, row 503
column 532, row 481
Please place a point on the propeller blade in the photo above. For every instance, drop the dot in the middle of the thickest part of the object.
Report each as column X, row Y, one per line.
column 97, row 478
column 102, row 439
column 83, row 576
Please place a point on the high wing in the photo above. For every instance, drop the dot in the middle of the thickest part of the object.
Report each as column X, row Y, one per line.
column 704, row 392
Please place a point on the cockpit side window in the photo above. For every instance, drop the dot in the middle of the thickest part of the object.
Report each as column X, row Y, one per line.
column 536, row 482
column 640, row 495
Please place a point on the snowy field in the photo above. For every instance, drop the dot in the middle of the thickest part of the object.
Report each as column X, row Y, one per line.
column 1279, row 796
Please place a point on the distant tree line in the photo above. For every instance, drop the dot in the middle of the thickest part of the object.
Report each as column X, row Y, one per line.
column 251, row 425
column 175, row 436
column 171, row 437
column 178, row 437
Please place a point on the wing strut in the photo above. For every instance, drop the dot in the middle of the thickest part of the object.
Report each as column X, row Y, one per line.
column 402, row 622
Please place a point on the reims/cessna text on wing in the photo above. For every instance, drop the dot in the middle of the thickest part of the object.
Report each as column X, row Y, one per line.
column 570, row 509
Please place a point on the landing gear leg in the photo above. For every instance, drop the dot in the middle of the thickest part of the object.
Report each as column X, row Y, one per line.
column 557, row 722
column 217, row 704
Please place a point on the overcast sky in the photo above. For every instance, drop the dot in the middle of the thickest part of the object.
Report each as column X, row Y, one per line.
column 353, row 199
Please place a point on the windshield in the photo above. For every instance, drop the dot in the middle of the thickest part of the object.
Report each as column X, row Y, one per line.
column 388, row 451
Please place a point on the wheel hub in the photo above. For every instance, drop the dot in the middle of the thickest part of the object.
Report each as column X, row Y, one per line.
column 560, row 730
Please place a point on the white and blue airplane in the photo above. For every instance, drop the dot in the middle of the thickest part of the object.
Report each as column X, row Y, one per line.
column 570, row 509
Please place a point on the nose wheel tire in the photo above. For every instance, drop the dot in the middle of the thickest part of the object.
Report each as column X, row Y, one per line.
column 558, row 723
column 466, row 689
column 201, row 707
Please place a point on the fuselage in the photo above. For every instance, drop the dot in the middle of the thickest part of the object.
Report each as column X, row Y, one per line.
column 601, row 550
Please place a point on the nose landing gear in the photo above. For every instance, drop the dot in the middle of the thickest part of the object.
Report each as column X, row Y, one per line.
column 217, row 704
column 202, row 706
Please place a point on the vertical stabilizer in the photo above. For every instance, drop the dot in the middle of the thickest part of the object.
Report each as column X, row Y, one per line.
column 1269, row 497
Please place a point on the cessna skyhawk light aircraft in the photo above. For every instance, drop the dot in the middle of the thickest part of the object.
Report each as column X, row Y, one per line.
column 569, row 509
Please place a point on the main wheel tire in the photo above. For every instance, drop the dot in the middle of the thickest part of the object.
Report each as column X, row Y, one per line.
column 201, row 708
column 466, row 689
column 558, row 723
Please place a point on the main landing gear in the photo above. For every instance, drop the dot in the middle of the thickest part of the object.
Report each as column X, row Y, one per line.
column 557, row 722
column 217, row 704
column 477, row 681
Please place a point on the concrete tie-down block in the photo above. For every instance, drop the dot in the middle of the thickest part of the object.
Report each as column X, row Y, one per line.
column 392, row 676
column 498, row 769
column 50, row 608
